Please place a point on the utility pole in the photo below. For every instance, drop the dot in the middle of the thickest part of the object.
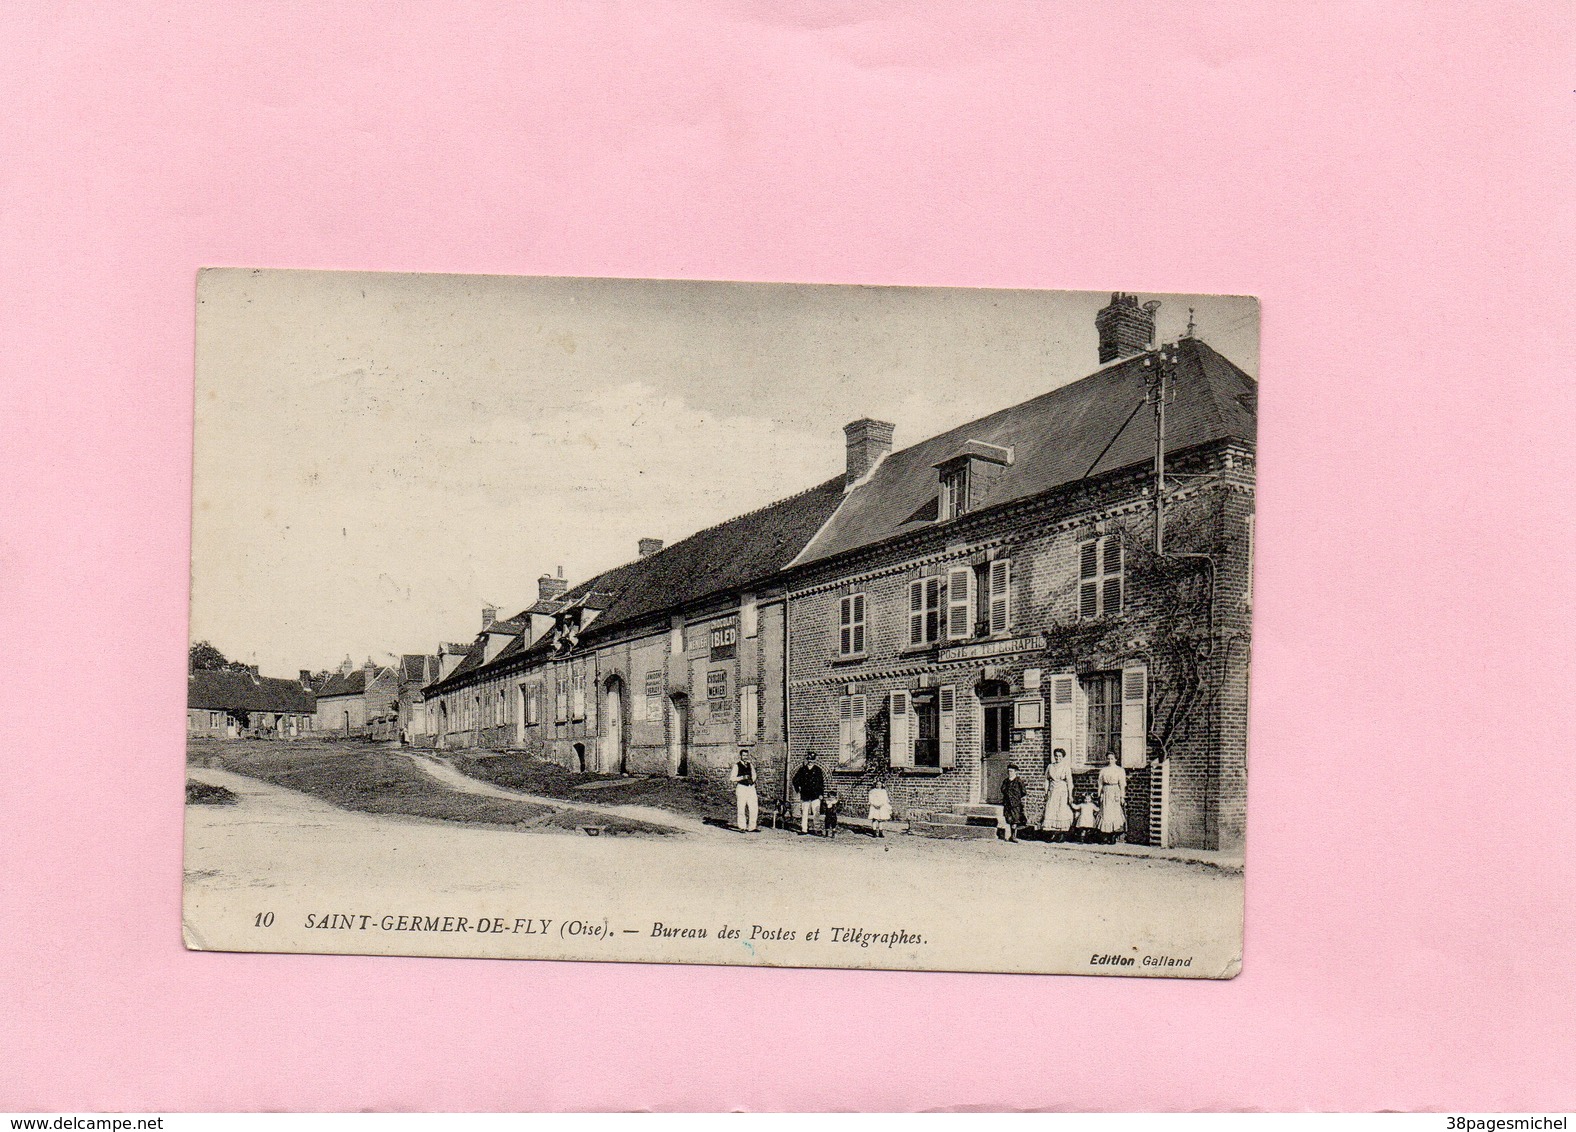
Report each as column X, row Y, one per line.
column 1160, row 366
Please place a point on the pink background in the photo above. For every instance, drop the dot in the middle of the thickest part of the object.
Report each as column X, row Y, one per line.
column 1392, row 179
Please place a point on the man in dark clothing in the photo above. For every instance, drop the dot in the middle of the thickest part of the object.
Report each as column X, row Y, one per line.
column 1012, row 792
column 808, row 785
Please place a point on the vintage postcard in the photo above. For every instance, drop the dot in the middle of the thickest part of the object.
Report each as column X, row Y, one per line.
column 691, row 622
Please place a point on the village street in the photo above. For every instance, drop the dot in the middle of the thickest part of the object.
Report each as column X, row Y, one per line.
column 258, row 872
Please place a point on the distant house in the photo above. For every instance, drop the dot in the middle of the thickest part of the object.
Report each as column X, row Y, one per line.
column 361, row 702
column 416, row 671
column 239, row 703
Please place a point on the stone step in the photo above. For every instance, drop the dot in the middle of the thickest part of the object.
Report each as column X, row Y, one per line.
column 980, row 810
column 949, row 830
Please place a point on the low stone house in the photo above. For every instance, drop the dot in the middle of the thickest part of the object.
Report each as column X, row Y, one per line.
column 240, row 703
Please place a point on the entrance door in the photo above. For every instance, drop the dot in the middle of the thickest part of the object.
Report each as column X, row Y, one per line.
column 995, row 740
column 613, row 761
column 678, row 736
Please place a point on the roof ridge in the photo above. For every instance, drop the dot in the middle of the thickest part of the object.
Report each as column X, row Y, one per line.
column 727, row 522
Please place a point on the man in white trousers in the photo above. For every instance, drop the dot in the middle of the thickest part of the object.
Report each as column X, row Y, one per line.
column 745, row 796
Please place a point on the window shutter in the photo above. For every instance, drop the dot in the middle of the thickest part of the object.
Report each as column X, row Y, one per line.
column 1079, row 753
column 845, row 625
column 916, row 612
column 1135, row 717
column 960, row 603
column 900, row 745
column 845, row 715
column 749, row 617
column 947, row 696
column 588, row 693
column 1088, row 579
column 749, row 714
column 858, row 625
column 1064, row 716
column 856, row 725
column 1111, row 599
column 1000, row 595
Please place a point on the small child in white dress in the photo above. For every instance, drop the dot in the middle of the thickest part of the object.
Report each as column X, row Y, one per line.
column 880, row 809
column 1088, row 817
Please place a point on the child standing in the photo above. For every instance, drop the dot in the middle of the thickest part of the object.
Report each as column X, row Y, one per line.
column 830, row 804
column 1084, row 824
column 880, row 809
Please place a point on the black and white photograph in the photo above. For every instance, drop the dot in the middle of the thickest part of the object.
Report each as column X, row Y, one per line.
column 723, row 623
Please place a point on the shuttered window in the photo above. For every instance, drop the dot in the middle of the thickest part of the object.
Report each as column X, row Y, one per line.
column 1103, row 732
column 851, row 720
column 560, row 696
column 1064, row 718
column 1000, row 595
column 900, row 743
column 851, row 625
column 960, row 603
column 1100, row 577
column 577, row 698
column 924, row 611
column 947, row 699
column 749, row 713
column 1135, row 716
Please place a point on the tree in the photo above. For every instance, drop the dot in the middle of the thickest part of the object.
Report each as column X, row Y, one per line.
column 203, row 657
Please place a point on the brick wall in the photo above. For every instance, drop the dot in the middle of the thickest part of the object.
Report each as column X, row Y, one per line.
column 1164, row 602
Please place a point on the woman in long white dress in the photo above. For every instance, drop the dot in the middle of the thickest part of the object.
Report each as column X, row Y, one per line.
column 1058, row 817
column 1113, row 795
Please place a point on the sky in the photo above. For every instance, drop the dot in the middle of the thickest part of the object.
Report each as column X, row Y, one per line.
column 378, row 456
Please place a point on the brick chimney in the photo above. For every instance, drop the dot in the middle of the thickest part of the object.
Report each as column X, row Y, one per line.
column 306, row 679
column 649, row 546
column 550, row 588
column 868, row 441
column 489, row 615
column 370, row 670
column 1125, row 328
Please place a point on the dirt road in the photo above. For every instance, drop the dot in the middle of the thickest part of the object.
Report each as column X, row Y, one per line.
column 794, row 901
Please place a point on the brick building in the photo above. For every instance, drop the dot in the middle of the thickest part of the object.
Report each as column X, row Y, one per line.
column 932, row 615
column 239, row 703
column 360, row 702
column 998, row 591
column 665, row 665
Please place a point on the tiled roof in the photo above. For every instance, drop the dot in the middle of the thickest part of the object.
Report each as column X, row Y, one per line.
column 352, row 684
column 722, row 559
column 1057, row 438
column 229, row 690
column 414, row 667
column 513, row 627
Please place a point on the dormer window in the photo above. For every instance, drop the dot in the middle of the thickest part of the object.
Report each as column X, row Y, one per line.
column 954, row 492
column 968, row 476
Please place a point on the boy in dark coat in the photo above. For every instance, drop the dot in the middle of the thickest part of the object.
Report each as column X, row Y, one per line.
column 1012, row 792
